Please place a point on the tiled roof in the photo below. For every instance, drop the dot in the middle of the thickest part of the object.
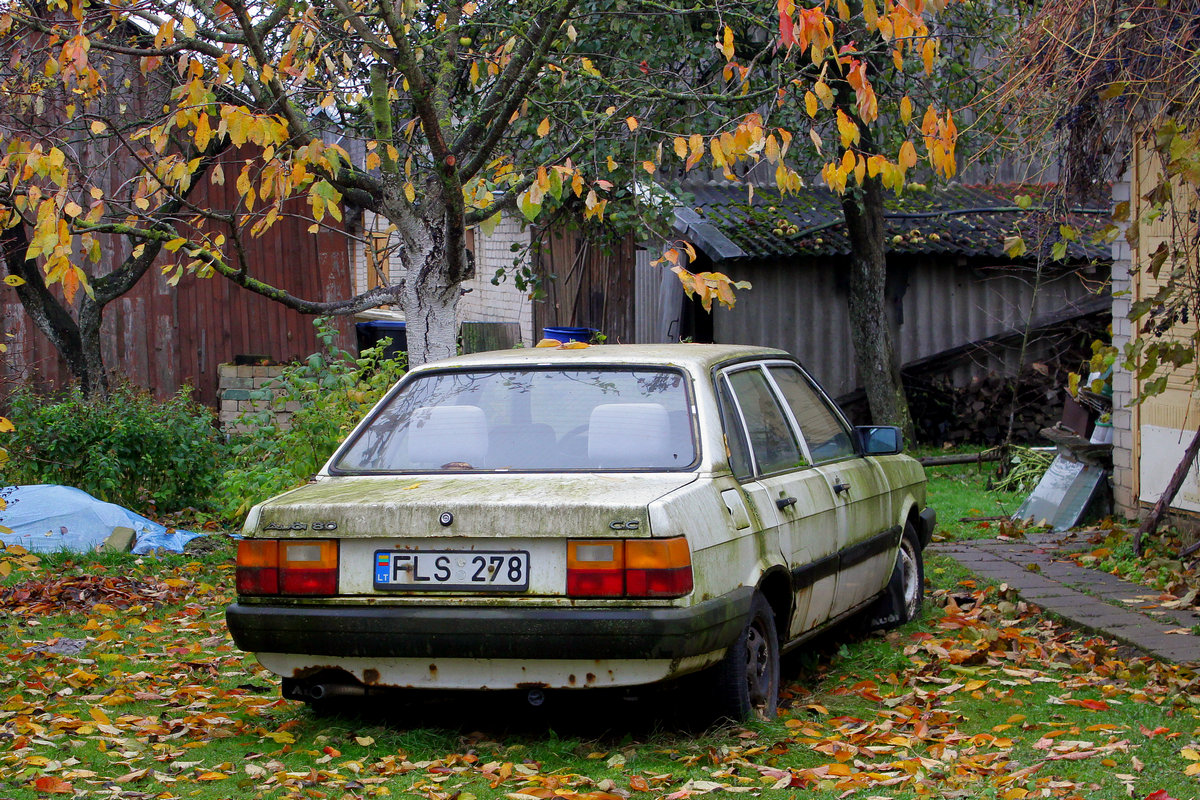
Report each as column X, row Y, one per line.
column 951, row 220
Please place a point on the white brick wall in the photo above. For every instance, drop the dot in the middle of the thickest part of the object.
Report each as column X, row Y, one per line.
column 1124, row 467
column 504, row 303
column 484, row 302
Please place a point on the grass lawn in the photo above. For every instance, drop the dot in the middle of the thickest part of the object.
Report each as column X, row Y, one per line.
column 964, row 491
column 120, row 681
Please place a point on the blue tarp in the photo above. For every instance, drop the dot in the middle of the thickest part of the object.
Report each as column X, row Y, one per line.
column 45, row 518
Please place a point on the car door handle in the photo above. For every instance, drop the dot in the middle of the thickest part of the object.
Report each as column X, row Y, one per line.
column 838, row 488
column 784, row 502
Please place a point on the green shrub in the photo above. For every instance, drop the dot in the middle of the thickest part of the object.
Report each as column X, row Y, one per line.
column 333, row 389
column 128, row 448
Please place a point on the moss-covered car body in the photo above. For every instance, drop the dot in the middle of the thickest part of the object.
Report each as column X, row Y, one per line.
column 607, row 516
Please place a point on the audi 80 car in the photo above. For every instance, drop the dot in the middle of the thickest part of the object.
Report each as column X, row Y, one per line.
column 571, row 518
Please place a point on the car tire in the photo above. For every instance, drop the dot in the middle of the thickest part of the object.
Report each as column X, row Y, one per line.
column 902, row 599
column 746, row 682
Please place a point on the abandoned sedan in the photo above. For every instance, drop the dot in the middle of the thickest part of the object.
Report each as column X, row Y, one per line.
column 573, row 518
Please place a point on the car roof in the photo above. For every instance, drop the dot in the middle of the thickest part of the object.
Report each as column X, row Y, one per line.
column 696, row 358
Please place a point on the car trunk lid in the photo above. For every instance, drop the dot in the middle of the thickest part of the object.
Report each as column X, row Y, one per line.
column 468, row 506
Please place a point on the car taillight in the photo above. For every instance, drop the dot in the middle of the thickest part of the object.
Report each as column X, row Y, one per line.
column 596, row 568
column 657, row 567
column 290, row 567
column 258, row 566
column 629, row 568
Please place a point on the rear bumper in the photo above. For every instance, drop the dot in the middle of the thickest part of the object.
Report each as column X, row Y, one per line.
column 490, row 633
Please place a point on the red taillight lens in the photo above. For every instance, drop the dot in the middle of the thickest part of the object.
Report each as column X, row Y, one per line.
column 657, row 567
column 257, row 566
column 629, row 568
column 308, row 567
column 274, row 566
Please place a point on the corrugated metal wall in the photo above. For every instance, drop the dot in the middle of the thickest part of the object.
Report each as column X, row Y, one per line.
column 800, row 307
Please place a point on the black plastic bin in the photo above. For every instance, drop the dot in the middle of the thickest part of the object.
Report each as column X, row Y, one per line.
column 369, row 333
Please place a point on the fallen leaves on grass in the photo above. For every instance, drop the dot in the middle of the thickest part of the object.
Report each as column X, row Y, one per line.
column 156, row 696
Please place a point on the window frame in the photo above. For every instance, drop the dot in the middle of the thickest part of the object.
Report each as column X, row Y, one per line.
column 757, row 365
column 824, row 399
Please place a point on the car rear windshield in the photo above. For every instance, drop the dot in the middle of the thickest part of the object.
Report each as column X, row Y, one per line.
column 531, row 419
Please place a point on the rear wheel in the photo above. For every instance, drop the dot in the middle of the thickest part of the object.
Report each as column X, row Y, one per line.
column 747, row 679
column 901, row 600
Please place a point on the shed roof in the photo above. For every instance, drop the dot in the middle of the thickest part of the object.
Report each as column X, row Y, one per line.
column 725, row 225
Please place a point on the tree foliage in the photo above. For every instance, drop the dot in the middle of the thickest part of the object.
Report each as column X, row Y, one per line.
column 436, row 116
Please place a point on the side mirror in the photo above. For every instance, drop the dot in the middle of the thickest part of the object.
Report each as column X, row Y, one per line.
column 879, row 440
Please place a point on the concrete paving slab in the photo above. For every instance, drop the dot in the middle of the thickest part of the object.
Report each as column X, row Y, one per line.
column 1087, row 598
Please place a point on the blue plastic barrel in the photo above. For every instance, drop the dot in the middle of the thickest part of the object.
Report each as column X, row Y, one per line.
column 370, row 332
column 569, row 334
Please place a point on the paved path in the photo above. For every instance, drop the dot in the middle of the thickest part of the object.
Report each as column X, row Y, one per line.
column 1088, row 598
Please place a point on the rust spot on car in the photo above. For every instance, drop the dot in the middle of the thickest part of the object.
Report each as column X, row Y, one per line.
column 370, row 676
column 589, row 679
column 571, row 679
column 433, row 670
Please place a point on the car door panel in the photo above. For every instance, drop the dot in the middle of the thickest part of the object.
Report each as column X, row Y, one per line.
column 789, row 495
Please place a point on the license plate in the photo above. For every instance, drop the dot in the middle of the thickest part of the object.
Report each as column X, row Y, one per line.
column 451, row 570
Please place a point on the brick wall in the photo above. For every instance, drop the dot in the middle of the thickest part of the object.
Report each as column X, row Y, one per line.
column 504, row 303
column 238, row 384
column 484, row 302
column 1124, row 466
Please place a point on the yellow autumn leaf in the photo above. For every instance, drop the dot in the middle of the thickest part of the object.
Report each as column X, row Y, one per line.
column 649, row 167
column 610, row 164
column 543, row 127
column 870, row 14
column 14, row 280
column 810, row 103
column 825, row 93
column 727, row 43
column 6, row 425
column 632, row 123
column 908, row 155
column 97, row 127
column 410, row 192
column 906, row 109
column 928, row 53
column 847, row 130
column 681, row 147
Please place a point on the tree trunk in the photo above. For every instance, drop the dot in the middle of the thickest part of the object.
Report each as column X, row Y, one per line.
column 51, row 317
column 870, row 327
column 431, row 289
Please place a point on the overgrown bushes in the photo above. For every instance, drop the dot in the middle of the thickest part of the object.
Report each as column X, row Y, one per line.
column 129, row 448
column 334, row 389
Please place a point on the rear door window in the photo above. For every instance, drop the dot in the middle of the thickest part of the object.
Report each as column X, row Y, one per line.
column 773, row 445
column 825, row 435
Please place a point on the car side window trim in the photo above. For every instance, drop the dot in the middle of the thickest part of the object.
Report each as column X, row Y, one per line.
column 726, row 401
column 756, row 463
